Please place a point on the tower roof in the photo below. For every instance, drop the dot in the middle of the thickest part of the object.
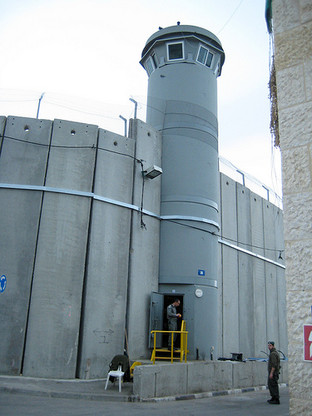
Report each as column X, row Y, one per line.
column 179, row 31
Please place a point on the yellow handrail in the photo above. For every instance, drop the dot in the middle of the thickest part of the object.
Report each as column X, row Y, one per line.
column 182, row 351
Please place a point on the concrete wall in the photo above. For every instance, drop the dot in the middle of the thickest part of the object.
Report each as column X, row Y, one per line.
column 80, row 248
column 163, row 380
column 67, row 195
column 252, row 306
column 292, row 24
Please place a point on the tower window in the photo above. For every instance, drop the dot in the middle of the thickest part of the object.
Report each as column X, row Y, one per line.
column 209, row 59
column 150, row 65
column 217, row 70
column 175, row 51
column 204, row 56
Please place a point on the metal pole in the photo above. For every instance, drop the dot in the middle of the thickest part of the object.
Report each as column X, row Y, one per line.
column 39, row 104
column 135, row 107
column 268, row 192
column 125, row 120
column 243, row 176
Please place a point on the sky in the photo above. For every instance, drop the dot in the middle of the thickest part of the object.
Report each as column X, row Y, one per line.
column 83, row 56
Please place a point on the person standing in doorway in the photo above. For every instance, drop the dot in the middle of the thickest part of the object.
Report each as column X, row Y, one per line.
column 273, row 369
column 172, row 317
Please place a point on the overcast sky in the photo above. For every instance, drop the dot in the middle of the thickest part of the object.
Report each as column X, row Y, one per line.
column 84, row 56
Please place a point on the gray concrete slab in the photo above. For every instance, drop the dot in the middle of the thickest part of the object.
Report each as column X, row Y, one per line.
column 271, row 285
column 146, row 381
column 230, row 288
column 104, row 309
column 171, row 383
column 54, row 315
column 258, row 274
column 245, row 264
column 24, row 154
column 260, row 374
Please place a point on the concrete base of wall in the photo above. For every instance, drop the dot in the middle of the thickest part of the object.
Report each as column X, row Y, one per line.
column 162, row 380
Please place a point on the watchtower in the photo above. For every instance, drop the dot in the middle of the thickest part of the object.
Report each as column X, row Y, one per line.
column 183, row 63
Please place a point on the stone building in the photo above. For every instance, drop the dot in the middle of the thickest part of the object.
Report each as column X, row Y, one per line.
column 291, row 25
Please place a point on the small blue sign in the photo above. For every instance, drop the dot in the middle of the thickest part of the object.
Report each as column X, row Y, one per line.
column 201, row 272
column 3, row 283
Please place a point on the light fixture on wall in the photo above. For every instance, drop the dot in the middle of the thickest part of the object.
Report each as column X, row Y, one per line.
column 152, row 172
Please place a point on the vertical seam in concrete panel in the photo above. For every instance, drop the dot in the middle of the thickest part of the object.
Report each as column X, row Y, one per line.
column 35, row 255
column 238, row 269
column 252, row 283
column 265, row 268
column 222, row 264
column 2, row 135
column 83, row 295
column 155, row 384
column 133, row 133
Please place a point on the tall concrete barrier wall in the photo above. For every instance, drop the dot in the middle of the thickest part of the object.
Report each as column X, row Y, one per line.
column 66, row 223
column 79, row 247
column 252, row 302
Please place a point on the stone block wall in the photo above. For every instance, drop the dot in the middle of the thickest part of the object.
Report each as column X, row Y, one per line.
column 292, row 27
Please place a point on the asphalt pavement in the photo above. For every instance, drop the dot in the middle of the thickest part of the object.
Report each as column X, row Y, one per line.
column 250, row 403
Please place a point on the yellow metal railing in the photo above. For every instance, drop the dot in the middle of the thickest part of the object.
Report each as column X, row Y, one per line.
column 180, row 352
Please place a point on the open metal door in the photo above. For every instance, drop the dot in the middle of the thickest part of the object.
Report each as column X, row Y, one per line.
column 156, row 318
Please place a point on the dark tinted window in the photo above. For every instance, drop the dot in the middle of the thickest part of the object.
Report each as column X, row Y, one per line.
column 175, row 51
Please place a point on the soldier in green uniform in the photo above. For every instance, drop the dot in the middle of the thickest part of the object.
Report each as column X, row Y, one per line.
column 273, row 369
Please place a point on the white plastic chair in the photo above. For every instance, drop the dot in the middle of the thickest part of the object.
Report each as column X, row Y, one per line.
column 115, row 373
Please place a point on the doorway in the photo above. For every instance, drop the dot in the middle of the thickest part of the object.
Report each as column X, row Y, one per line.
column 158, row 316
column 168, row 300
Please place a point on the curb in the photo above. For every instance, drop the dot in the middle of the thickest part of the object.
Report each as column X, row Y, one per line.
column 205, row 395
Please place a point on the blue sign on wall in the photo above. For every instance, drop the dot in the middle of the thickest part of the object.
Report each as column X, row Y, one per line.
column 201, row 272
column 3, row 283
